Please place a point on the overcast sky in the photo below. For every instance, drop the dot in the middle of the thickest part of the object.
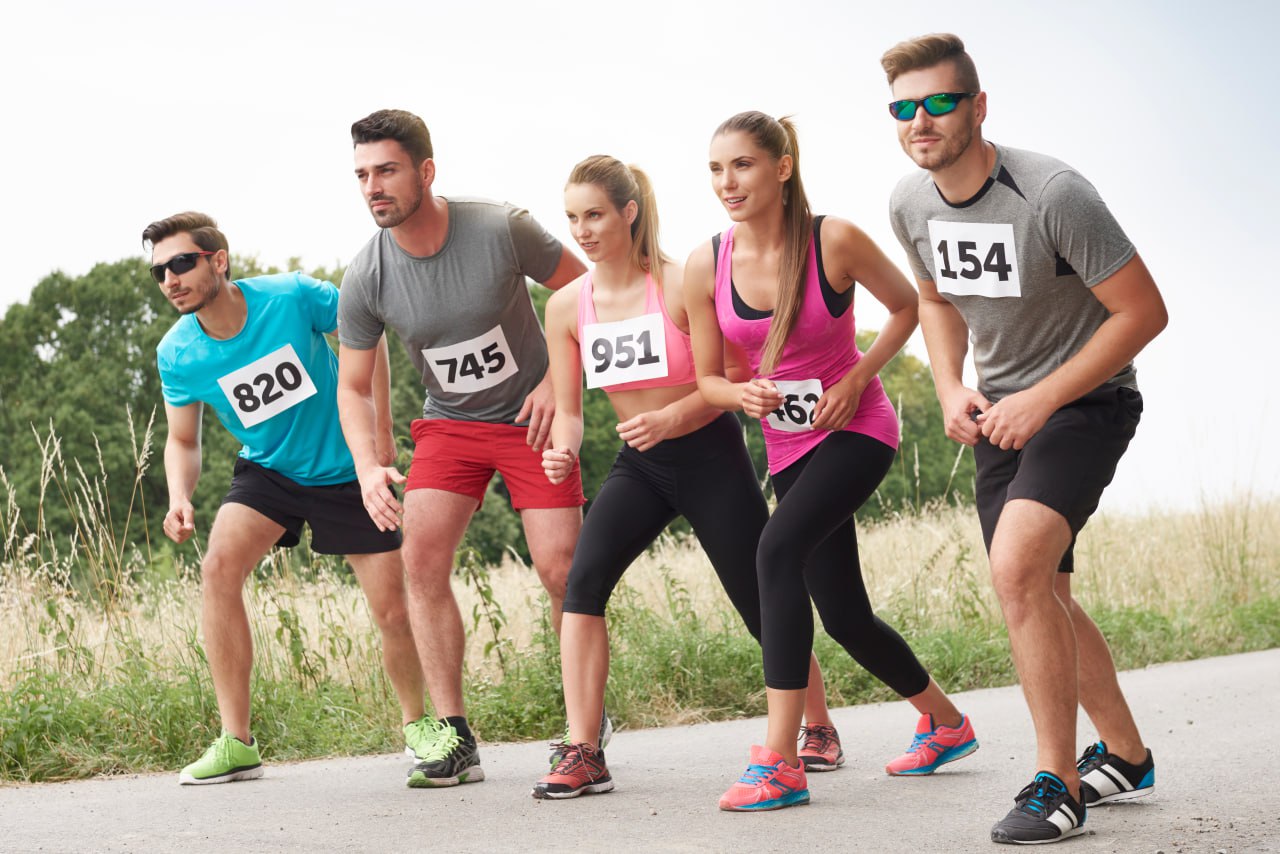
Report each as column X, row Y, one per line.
column 118, row 114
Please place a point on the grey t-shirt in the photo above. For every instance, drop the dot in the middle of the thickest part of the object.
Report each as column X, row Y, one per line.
column 1017, row 260
column 463, row 314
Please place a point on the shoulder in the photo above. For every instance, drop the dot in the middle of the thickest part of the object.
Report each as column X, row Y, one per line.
column 1041, row 178
column 566, row 297
column 840, row 236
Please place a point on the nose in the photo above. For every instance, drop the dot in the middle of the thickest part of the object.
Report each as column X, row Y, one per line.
column 170, row 277
column 372, row 186
column 922, row 120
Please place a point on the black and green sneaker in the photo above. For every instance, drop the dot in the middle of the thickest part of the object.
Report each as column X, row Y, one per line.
column 445, row 759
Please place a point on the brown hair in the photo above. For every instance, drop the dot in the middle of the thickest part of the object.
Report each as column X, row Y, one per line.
column 400, row 125
column 928, row 51
column 777, row 137
column 622, row 184
column 202, row 228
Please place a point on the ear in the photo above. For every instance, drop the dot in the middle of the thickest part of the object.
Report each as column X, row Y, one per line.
column 222, row 263
column 630, row 211
column 980, row 107
column 785, row 165
column 428, row 172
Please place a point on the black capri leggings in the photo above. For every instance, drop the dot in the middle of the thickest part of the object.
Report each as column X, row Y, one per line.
column 809, row 549
column 705, row 476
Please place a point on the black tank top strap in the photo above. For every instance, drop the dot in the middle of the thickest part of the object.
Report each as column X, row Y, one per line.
column 837, row 303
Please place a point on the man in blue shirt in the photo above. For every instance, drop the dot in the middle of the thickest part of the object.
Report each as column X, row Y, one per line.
column 254, row 350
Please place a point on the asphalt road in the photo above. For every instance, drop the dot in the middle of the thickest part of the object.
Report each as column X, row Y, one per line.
column 1206, row 722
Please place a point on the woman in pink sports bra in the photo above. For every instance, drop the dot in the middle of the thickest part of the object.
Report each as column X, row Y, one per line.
column 779, row 285
column 625, row 326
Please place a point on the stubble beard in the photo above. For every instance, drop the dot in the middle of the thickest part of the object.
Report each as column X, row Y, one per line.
column 396, row 214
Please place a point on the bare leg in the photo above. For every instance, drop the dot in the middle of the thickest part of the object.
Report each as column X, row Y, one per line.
column 1100, row 693
column 1028, row 545
column 434, row 522
column 786, row 708
column 240, row 537
column 934, row 701
column 815, row 698
column 584, row 662
column 381, row 577
column 552, row 534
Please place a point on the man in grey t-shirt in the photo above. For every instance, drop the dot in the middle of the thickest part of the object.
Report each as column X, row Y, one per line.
column 449, row 276
column 1017, row 252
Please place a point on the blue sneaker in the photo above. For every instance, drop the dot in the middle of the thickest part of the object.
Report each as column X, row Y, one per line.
column 1106, row 778
column 1044, row 811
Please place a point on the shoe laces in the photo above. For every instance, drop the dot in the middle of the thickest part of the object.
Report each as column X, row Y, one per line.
column 1037, row 795
column 818, row 738
column 919, row 740
column 573, row 761
column 439, row 741
column 757, row 774
column 1092, row 757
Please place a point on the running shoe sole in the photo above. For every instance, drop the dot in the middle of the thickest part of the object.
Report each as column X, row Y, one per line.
column 960, row 751
column 232, row 776
column 590, row 789
column 791, row 799
column 418, row 780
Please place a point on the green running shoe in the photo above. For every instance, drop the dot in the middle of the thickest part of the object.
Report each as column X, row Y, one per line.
column 228, row 759
column 450, row 759
column 419, row 736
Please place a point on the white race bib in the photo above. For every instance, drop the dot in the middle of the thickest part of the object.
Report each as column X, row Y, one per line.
column 974, row 258
column 799, row 397
column 474, row 365
column 268, row 386
column 624, row 351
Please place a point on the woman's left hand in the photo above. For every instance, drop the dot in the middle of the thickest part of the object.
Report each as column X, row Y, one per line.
column 647, row 429
column 838, row 404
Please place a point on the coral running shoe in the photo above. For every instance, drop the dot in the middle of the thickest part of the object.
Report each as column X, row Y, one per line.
column 934, row 746
column 580, row 771
column 769, row 783
column 820, row 748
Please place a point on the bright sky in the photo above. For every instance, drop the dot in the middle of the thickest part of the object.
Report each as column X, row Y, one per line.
column 118, row 114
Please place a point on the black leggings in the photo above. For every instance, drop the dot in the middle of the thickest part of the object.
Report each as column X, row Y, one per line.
column 705, row 476
column 809, row 549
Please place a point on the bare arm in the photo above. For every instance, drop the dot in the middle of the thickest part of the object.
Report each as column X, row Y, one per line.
column 182, row 468
column 565, row 373
column 384, row 440
column 358, row 413
column 1138, row 315
column 566, row 271
column 849, row 256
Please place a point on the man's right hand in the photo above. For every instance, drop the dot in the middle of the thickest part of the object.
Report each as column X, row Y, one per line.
column 379, row 499
column 958, row 409
column 180, row 522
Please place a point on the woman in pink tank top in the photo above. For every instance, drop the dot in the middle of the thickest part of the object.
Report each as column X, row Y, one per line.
column 623, row 324
column 778, row 285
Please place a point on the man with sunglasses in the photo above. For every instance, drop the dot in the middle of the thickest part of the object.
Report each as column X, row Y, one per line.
column 1017, row 251
column 254, row 350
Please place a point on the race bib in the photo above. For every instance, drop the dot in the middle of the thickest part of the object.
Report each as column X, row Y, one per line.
column 624, row 351
column 799, row 397
column 265, row 388
column 474, row 365
column 974, row 259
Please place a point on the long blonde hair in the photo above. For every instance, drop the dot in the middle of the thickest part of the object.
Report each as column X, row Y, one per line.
column 777, row 137
column 622, row 184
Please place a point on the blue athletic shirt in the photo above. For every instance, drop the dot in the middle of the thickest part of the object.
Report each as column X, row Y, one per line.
column 274, row 384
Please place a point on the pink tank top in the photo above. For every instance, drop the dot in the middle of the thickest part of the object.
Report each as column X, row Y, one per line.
column 819, row 352
column 648, row 351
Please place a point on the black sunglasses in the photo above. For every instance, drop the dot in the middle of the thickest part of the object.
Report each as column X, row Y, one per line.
column 935, row 105
column 179, row 264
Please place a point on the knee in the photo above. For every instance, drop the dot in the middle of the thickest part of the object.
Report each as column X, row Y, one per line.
column 392, row 618
column 221, row 575
column 773, row 555
column 554, row 572
column 1017, row 590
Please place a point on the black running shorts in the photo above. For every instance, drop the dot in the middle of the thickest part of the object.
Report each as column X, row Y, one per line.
column 1065, row 466
column 339, row 523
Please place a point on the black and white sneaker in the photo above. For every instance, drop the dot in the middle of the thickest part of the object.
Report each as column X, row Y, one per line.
column 1044, row 811
column 1106, row 778
column 447, row 760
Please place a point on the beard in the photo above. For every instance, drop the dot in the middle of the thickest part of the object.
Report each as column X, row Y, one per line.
column 943, row 155
column 209, row 297
column 396, row 214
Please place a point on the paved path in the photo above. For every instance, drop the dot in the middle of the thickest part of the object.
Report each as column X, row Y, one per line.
column 1206, row 722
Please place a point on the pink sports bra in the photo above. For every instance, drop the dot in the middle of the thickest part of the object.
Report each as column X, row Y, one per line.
column 626, row 353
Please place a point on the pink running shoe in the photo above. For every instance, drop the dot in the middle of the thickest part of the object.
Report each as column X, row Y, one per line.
column 933, row 747
column 820, row 748
column 769, row 783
